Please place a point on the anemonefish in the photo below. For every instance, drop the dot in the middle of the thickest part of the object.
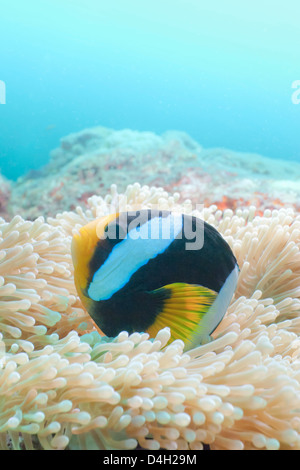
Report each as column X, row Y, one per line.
column 145, row 270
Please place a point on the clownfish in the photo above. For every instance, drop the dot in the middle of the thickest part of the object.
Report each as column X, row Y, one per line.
column 145, row 270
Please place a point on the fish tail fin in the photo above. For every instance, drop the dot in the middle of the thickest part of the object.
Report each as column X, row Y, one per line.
column 183, row 308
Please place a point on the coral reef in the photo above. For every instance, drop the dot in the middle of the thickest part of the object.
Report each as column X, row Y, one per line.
column 5, row 193
column 64, row 386
column 88, row 162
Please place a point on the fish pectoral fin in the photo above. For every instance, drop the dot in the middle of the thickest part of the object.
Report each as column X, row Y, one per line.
column 182, row 309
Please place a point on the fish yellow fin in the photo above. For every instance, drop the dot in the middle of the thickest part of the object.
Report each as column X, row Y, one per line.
column 184, row 307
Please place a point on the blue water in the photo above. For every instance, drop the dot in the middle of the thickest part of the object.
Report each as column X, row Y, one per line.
column 220, row 70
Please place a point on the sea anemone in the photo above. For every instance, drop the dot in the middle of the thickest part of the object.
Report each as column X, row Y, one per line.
column 62, row 385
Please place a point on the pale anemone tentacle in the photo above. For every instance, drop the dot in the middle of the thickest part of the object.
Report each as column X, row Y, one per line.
column 63, row 386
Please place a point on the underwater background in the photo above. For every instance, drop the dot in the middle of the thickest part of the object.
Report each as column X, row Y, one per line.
column 113, row 106
column 224, row 73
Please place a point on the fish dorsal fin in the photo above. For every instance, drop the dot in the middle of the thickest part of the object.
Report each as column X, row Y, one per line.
column 184, row 307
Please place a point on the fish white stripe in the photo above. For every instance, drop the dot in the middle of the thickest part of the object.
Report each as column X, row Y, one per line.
column 140, row 245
